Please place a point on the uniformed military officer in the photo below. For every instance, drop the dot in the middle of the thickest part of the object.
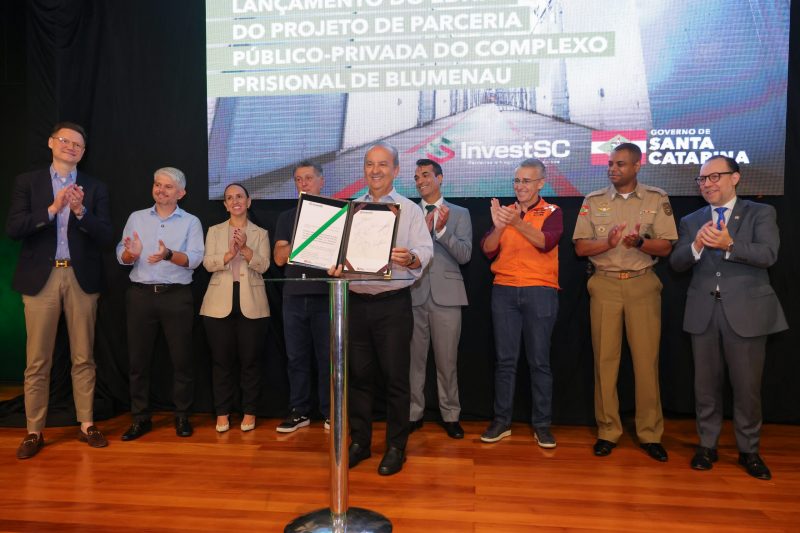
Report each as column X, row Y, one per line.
column 623, row 229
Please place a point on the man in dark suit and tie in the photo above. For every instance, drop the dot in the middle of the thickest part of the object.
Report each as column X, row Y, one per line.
column 730, row 308
column 61, row 216
column 436, row 300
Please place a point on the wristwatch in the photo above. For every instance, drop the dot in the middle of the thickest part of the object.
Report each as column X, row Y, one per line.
column 168, row 257
column 640, row 242
column 412, row 260
column 729, row 248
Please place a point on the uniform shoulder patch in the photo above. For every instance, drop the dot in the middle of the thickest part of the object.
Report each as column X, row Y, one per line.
column 657, row 190
column 667, row 209
column 584, row 210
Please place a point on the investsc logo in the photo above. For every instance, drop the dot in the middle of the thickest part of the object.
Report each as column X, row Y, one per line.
column 603, row 142
column 439, row 150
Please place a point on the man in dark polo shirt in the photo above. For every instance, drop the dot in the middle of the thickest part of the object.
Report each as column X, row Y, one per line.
column 305, row 315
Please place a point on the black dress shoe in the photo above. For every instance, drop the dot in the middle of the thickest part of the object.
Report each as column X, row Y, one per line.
column 137, row 429
column 357, row 453
column 182, row 426
column 655, row 450
column 392, row 461
column 415, row 425
column 453, row 429
column 754, row 465
column 704, row 458
column 603, row 447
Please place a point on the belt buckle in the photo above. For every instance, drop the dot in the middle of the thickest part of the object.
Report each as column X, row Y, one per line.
column 157, row 287
column 624, row 275
column 62, row 263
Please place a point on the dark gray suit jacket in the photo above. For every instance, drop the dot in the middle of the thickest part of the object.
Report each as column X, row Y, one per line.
column 750, row 304
column 442, row 279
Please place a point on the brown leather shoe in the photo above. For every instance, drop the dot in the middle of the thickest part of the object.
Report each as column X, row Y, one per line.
column 30, row 446
column 93, row 437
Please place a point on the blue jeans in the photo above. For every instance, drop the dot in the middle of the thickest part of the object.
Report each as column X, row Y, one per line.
column 529, row 313
column 306, row 332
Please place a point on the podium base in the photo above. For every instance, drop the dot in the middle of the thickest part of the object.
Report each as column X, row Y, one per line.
column 356, row 520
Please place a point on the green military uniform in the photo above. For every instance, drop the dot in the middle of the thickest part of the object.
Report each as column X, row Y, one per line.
column 624, row 286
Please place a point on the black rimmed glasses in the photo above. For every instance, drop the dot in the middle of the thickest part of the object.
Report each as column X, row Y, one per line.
column 66, row 143
column 713, row 177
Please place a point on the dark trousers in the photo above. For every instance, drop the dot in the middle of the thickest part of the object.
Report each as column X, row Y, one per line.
column 380, row 341
column 233, row 338
column 306, row 329
column 523, row 313
column 173, row 312
column 714, row 349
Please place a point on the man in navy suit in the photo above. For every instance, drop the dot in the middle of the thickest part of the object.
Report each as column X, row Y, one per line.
column 730, row 308
column 61, row 216
column 436, row 300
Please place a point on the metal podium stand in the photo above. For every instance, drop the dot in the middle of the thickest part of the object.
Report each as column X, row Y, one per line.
column 339, row 518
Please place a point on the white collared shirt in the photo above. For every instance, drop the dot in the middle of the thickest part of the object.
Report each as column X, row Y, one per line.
column 438, row 203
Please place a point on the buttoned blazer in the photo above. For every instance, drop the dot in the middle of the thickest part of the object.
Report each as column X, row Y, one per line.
column 218, row 300
column 750, row 304
column 28, row 221
column 442, row 279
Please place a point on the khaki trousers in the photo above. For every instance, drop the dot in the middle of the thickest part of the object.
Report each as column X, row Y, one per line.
column 637, row 301
column 42, row 313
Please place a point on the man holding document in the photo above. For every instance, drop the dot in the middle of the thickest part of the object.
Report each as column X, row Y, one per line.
column 381, row 320
column 305, row 315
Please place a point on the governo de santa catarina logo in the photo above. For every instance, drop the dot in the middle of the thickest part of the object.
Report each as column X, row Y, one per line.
column 439, row 150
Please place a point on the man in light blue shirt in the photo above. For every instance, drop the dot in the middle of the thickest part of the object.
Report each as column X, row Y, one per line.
column 381, row 321
column 164, row 244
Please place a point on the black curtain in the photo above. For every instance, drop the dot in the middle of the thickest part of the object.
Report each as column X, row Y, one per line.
column 133, row 73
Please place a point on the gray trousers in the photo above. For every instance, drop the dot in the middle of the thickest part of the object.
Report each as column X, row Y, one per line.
column 442, row 326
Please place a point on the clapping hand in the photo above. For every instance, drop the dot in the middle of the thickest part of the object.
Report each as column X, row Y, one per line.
column 160, row 254
column 133, row 245
column 615, row 235
column 632, row 239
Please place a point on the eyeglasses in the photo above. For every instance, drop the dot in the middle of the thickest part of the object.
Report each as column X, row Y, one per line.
column 67, row 143
column 713, row 177
column 518, row 181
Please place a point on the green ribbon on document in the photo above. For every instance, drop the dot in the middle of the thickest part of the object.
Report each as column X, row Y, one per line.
column 322, row 228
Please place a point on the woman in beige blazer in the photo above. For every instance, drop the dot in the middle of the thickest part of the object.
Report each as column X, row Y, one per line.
column 235, row 307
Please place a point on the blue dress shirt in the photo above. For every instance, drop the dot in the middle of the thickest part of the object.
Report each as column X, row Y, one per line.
column 62, row 217
column 180, row 231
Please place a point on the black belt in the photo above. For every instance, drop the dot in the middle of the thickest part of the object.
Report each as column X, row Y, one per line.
column 716, row 295
column 157, row 288
column 380, row 295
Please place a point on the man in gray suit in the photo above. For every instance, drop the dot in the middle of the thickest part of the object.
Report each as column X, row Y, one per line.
column 437, row 298
column 730, row 308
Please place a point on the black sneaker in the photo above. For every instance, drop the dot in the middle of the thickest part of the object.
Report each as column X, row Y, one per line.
column 293, row 422
column 495, row 432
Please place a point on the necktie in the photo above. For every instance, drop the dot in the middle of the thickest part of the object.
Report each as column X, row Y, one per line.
column 720, row 216
column 428, row 209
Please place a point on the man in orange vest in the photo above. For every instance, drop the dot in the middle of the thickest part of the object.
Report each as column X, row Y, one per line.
column 523, row 243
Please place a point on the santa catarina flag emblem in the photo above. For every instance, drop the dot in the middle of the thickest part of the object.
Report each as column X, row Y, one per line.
column 605, row 141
